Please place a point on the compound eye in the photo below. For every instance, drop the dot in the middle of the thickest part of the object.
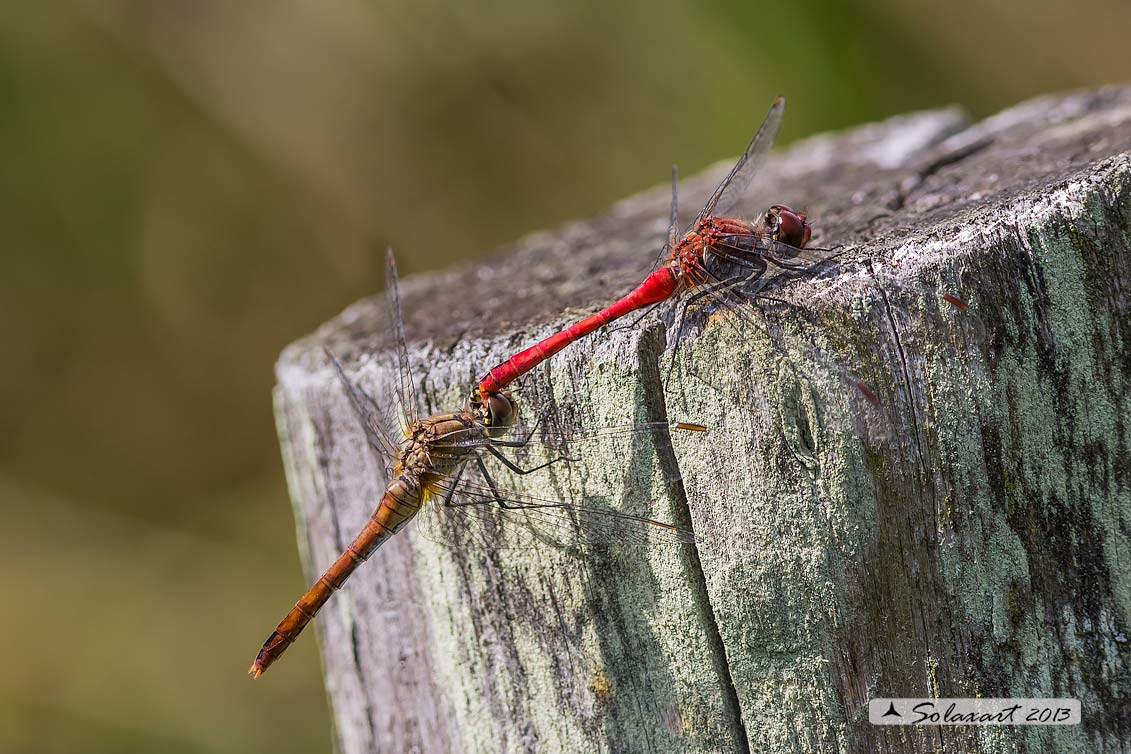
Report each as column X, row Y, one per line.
column 499, row 410
column 792, row 228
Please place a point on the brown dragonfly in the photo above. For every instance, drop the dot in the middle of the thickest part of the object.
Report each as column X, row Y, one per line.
column 439, row 462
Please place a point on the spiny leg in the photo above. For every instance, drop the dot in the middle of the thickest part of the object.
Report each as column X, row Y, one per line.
column 491, row 483
column 491, row 441
column 502, row 501
column 497, row 497
column 722, row 293
column 518, row 469
column 635, row 321
column 493, row 444
column 448, row 502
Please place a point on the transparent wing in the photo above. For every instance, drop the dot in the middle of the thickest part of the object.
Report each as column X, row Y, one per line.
column 503, row 518
column 743, row 248
column 406, row 388
column 543, row 446
column 373, row 420
column 673, row 224
column 560, row 439
column 480, row 502
column 673, row 216
column 734, row 186
column 866, row 398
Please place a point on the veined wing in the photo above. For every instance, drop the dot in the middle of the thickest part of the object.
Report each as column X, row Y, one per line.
column 732, row 188
column 383, row 433
column 406, row 388
column 374, row 421
column 743, row 245
column 484, row 505
column 545, row 444
column 759, row 252
column 500, row 518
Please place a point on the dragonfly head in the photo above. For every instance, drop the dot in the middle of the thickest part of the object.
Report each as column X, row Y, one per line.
column 496, row 412
column 789, row 227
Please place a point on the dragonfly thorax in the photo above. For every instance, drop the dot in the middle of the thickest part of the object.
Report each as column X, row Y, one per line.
column 435, row 444
column 685, row 255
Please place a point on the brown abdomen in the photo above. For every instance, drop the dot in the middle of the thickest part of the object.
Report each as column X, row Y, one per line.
column 401, row 501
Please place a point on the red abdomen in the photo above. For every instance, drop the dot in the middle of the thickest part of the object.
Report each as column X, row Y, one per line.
column 656, row 287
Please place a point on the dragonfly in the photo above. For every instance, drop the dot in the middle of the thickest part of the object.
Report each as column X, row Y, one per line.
column 718, row 259
column 434, row 464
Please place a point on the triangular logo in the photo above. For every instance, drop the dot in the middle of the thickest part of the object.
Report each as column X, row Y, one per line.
column 891, row 711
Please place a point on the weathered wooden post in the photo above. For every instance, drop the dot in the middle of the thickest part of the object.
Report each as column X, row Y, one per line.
column 967, row 534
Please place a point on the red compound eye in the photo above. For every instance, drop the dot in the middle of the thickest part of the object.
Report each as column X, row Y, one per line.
column 792, row 227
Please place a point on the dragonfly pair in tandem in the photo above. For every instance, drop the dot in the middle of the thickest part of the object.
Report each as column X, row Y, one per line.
column 442, row 457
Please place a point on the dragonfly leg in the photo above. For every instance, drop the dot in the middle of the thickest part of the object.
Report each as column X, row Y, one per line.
column 518, row 469
column 719, row 284
column 517, row 443
column 722, row 293
column 757, row 294
column 493, row 443
column 452, row 490
column 491, row 483
column 450, row 494
column 502, row 501
column 771, row 299
column 739, row 257
column 681, row 314
column 636, row 320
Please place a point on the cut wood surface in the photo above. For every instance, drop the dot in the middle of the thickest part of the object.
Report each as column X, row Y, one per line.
column 958, row 527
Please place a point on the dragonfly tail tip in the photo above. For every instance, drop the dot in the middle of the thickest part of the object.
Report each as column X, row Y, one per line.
column 255, row 670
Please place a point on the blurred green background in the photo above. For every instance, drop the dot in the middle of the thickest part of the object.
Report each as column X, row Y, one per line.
column 187, row 186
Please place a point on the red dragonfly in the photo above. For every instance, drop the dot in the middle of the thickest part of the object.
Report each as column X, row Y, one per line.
column 432, row 459
column 695, row 261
